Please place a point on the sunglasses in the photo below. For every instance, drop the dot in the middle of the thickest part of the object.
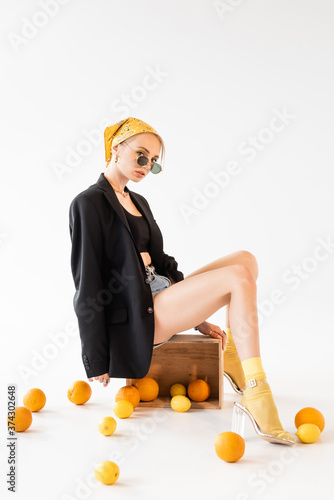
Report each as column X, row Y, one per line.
column 143, row 160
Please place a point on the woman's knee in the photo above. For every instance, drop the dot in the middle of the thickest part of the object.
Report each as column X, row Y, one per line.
column 243, row 275
column 250, row 261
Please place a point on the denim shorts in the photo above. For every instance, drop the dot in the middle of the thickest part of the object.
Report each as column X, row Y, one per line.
column 156, row 281
column 157, row 284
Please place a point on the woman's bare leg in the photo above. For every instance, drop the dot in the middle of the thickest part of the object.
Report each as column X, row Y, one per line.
column 193, row 300
column 240, row 257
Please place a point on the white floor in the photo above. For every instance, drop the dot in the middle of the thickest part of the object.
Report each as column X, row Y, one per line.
column 163, row 454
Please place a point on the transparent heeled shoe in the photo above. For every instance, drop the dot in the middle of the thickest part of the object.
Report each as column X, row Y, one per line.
column 238, row 425
column 238, row 421
column 233, row 384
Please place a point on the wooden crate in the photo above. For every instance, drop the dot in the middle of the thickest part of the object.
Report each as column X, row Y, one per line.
column 183, row 359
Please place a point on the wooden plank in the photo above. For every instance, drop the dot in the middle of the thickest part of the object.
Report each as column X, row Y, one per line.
column 164, row 402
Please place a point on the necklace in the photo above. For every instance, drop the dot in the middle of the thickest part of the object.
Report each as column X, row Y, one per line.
column 123, row 193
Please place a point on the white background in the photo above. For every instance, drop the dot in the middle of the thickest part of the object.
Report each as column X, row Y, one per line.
column 221, row 74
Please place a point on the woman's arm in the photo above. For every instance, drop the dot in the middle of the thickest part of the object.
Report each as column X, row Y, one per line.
column 86, row 264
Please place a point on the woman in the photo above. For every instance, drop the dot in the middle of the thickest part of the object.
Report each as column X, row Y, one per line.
column 130, row 296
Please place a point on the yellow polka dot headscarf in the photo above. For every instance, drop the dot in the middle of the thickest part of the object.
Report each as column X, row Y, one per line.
column 122, row 130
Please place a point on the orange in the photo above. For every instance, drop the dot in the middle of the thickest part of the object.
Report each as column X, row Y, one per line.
column 148, row 388
column 22, row 419
column 130, row 393
column 229, row 446
column 106, row 472
column 107, row 426
column 310, row 415
column 198, row 390
column 34, row 399
column 79, row 392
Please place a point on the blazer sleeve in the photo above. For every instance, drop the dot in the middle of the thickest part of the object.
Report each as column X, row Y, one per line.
column 170, row 265
column 86, row 265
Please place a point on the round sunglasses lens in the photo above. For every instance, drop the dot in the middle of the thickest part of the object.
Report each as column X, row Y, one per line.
column 156, row 168
column 142, row 161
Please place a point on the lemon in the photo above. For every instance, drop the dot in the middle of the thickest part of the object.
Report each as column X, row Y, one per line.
column 308, row 433
column 178, row 390
column 123, row 408
column 107, row 426
column 106, row 472
column 180, row 403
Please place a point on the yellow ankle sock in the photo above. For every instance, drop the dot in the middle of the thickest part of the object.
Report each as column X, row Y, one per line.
column 232, row 363
column 253, row 368
column 259, row 400
column 230, row 340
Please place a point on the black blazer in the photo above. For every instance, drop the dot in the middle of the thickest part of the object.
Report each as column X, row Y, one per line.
column 113, row 299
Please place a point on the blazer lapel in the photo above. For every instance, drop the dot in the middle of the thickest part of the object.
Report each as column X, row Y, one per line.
column 109, row 193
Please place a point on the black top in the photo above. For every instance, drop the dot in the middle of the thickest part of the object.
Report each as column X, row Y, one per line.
column 139, row 229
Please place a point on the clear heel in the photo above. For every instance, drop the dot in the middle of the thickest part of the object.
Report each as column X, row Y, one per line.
column 238, row 421
column 233, row 384
column 239, row 413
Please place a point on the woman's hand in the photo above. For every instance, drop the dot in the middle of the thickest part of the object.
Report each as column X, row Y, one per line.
column 213, row 330
column 102, row 378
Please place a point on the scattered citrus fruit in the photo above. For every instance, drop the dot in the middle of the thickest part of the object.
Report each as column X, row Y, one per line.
column 106, row 472
column 180, row 403
column 198, row 390
column 148, row 388
column 79, row 392
column 34, row 399
column 22, row 419
column 130, row 393
column 123, row 408
column 178, row 390
column 310, row 416
column 229, row 446
column 107, row 426
column 308, row 433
